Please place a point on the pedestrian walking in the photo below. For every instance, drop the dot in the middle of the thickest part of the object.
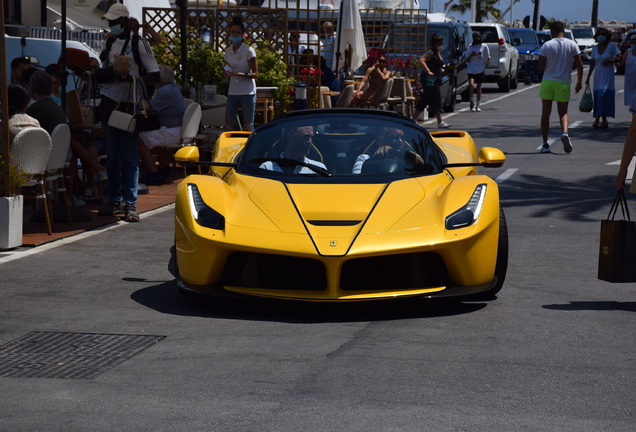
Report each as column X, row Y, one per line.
column 602, row 65
column 629, row 60
column 242, row 69
column 127, row 59
column 478, row 55
column 555, row 61
column 432, row 64
column 629, row 150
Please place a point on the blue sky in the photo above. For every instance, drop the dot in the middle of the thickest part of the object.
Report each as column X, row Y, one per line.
column 572, row 10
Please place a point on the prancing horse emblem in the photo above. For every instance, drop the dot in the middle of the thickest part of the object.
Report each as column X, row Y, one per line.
column 333, row 243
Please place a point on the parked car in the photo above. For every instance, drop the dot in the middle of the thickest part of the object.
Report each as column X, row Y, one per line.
column 584, row 38
column 624, row 46
column 543, row 36
column 46, row 51
column 527, row 44
column 341, row 222
column 504, row 58
column 457, row 37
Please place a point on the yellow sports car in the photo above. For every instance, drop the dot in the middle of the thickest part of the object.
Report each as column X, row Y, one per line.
column 341, row 205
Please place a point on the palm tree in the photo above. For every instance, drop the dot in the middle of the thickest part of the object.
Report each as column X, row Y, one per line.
column 484, row 8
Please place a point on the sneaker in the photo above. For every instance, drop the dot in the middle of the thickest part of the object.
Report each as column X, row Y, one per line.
column 545, row 148
column 443, row 125
column 102, row 176
column 112, row 209
column 472, row 106
column 567, row 144
column 131, row 214
column 478, row 108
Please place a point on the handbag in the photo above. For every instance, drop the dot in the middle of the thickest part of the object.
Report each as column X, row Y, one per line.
column 617, row 251
column 148, row 121
column 124, row 120
column 587, row 102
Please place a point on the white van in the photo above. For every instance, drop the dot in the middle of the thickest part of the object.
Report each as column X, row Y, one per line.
column 46, row 51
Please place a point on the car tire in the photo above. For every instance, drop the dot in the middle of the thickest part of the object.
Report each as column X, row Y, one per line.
column 501, row 266
column 504, row 84
column 453, row 102
column 514, row 82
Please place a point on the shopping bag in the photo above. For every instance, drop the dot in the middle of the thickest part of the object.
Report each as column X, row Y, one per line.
column 617, row 251
column 587, row 102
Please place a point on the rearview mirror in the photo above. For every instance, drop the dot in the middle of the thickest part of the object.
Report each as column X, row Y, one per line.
column 187, row 154
column 490, row 157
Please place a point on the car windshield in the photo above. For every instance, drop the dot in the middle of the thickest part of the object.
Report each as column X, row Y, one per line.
column 488, row 34
column 543, row 37
column 526, row 37
column 583, row 33
column 340, row 148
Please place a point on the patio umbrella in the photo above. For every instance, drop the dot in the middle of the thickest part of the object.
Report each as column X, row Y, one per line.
column 350, row 33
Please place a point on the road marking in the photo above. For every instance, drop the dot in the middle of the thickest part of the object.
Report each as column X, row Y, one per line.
column 482, row 103
column 630, row 169
column 621, row 91
column 506, row 175
column 6, row 257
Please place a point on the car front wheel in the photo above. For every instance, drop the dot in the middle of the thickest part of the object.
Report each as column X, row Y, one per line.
column 504, row 83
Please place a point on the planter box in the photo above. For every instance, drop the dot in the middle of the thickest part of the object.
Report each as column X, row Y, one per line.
column 11, row 222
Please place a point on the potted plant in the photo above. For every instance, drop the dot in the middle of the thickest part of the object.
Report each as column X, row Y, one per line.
column 11, row 208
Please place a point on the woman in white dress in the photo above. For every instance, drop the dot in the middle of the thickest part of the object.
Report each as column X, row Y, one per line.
column 629, row 60
column 604, row 55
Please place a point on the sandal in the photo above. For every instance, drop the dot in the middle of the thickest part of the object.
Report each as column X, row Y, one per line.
column 604, row 125
column 595, row 125
column 131, row 214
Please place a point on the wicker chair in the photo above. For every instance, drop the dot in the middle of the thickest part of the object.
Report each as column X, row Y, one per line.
column 30, row 152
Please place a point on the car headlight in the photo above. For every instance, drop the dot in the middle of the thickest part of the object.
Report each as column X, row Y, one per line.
column 468, row 215
column 201, row 212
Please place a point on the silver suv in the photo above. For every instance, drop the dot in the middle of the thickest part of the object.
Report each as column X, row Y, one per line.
column 504, row 58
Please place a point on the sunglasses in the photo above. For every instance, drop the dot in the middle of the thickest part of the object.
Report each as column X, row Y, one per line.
column 305, row 137
column 381, row 61
column 395, row 137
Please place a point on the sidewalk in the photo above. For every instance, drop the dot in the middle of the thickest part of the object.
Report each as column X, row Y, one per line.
column 34, row 233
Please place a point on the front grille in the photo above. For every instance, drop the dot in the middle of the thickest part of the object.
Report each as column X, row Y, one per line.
column 394, row 272
column 251, row 270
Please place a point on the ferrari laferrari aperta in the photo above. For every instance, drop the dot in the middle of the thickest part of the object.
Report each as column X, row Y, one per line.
column 341, row 205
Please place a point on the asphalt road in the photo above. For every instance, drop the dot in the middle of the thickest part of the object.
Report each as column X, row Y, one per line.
column 555, row 351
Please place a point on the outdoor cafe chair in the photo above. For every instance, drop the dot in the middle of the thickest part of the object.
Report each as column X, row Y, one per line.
column 30, row 152
column 54, row 176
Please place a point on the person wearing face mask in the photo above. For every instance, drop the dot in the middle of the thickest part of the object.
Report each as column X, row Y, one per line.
column 125, row 55
column 602, row 64
column 431, row 78
column 629, row 60
column 478, row 59
column 242, row 70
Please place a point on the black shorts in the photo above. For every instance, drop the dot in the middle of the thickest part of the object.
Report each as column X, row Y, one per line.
column 479, row 78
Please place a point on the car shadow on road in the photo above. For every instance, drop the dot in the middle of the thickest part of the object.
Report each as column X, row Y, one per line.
column 594, row 306
column 580, row 201
column 166, row 298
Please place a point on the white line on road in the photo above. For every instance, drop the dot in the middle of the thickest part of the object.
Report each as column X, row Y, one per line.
column 6, row 257
column 506, row 175
column 630, row 169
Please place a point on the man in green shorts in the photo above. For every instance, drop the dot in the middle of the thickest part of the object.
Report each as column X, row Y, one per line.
column 555, row 61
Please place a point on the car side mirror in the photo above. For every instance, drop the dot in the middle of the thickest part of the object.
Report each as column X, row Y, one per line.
column 516, row 42
column 490, row 157
column 187, row 154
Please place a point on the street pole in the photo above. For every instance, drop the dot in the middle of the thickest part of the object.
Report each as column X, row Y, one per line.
column 183, row 16
column 4, row 113
column 473, row 10
column 537, row 15
column 594, row 13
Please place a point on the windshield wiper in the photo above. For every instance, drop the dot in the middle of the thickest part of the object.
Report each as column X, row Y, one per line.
column 294, row 163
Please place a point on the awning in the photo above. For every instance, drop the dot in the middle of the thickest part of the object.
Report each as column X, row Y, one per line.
column 86, row 14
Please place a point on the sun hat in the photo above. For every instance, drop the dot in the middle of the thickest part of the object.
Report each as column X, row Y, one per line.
column 116, row 11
